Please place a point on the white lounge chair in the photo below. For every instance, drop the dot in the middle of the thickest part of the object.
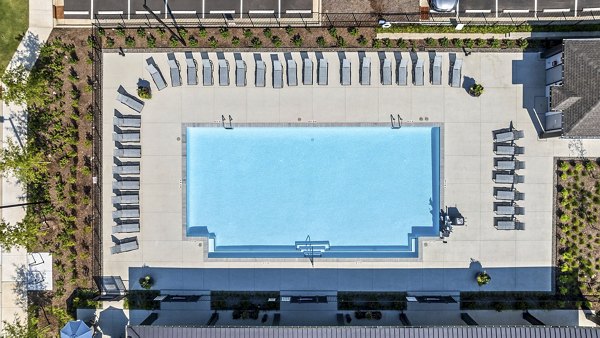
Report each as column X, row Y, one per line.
column 419, row 79
column 126, row 169
column 128, row 153
column 240, row 73
column 126, row 185
column 436, row 76
column 457, row 73
column 386, row 72
column 323, row 72
column 126, row 228
column 346, row 73
column 223, row 72
column 126, row 199
column 126, row 137
column 126, row 213
column 207, row 72
column 402, row 76
column 277, row 74
column 127, row 122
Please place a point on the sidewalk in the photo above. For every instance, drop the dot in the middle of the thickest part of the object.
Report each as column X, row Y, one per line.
column 40, row 26
column 473, row 36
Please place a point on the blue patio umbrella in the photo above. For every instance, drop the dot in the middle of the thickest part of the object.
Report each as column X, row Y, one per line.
column 76, row 329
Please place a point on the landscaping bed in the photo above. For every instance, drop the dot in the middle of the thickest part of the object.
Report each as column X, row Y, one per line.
column 486, row 29
column 371, row 301
column 501, row 301
column 141, row 300
column 244, row 301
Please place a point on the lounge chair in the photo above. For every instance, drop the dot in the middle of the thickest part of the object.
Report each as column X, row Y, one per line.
column 157, row 77
column 260, row 73
column 126, row 169
column 504, row 136
column 419, row 79
column 365, row 71
column 457, row 73
column 126, row 199
column 277, row 74
column 504, row 149
column 127, row 122
column 207, row 72
column 504, row 164
column 240, row 73
column 174, row 69
column 504, row 208
column 126, row 137
column 508, row 223
column 323, row 72
column 124, row 245
column 307, row 72
column 507, row 177
column 386, row 72
column 128, row 153
column 127, row 213
column 506, row 194
column 223, row 72
column 126, row 185
column 402, row 76
column 126, row 227
column 192, row 69
column 436, row 75
column 345, row 73
column 292, row 73
column 130, row 102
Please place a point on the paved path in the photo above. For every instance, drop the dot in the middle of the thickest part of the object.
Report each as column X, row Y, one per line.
column 40, row 26
column 515, row 35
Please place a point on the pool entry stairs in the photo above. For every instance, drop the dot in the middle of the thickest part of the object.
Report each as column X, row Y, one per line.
column 312, row 248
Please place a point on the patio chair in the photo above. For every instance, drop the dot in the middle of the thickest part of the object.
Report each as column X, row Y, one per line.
column 126, row 228
column 124, row 245
column 277, row 74
column 345, row 73
column 174, row 69
column 34, row 258
column 419, row 79
column 126, row 169
column 240, row 73
column 323, row 72
column 126, row 199
column 130, row 102
column 127, row 122
column 157, row 77
column 260, row 73
column 126, row 185
column 292, row 73
column 457, row 73
column 504, row 135
column 126, row 137
column 365, row 71
column 505, row 177
column 436, row 75
column 386, row 72
column 207, row 72
column 307, row 72
column 223, row 72
column 132, row 212
column 192, row 69
column 504, row 223
column 402, row 72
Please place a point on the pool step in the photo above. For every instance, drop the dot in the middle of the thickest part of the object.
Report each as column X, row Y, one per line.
column 314, row 248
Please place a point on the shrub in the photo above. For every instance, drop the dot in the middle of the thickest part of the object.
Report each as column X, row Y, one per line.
column 276, row 41
column 332, row 31
column 509, row 43
column 173, row 41
column 565, row 218
column 498, row 306
column 120, row 31
column 430, row 42
column 494, row 43
column 444, row 42
column 141, row 32
column 151, row 41
column 469, row 43
column 362, row 40
column 340, row 42
column 202, row 32
column 297, row 40
column 578, row 167
column 101, row 31
column 213, row 42
column 476, row 89
column 130, row 41
column 321, row 41
column 483, row 278
column 289, row 30
column 235, row 41
column 376, row 43
column 480, row 43
column 161, row 32
column 144, row 92
column 353, row 31
column 146, row 282
column 387, row 43
column 110, row 42
column 248, row 33
column 224, row 31
column 522, row 43
column 401, row 43
column 193, row 41
column 458, row 43
column 267, row 32
column 256, row 42
column 183, row 33
column 564, row 165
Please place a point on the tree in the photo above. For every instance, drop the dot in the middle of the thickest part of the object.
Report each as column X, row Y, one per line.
column 19, row 329
column 24, row 233
column 24, row 87
column 26, row 164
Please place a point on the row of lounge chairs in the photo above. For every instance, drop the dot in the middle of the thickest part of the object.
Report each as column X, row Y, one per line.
column 126, row 186
column 307, row 73
column 505, row 167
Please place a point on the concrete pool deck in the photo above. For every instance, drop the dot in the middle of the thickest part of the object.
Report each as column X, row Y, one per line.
column 514, row 84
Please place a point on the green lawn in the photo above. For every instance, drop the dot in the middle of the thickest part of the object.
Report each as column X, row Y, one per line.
column 13, row 22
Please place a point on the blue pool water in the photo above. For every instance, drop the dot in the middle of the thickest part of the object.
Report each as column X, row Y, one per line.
column 362, row 189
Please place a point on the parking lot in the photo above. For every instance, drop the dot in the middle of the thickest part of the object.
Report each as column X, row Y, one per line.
column 203, row 9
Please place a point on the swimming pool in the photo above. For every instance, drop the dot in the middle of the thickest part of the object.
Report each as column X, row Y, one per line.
column 328, row 191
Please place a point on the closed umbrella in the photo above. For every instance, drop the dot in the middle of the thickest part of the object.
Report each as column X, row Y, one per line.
column 76, row 329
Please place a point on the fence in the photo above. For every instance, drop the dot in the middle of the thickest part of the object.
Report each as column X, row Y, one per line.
column 97, row 158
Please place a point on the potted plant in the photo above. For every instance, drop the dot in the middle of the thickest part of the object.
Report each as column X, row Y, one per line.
column 476, row 90
column 146, row 282
column 144, row 92
column 483, row 278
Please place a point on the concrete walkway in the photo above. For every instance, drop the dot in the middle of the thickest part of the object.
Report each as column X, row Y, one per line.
column 473, row 36
column 40, row 26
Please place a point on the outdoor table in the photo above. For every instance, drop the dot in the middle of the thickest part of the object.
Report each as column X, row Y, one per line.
column 505, row 165
column 505, row 225
column 505, row 150
column 505, row 210
column 505, row 178
column 505, row 137
column 505, row 195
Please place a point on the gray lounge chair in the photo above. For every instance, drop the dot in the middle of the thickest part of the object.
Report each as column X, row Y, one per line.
column 126, row 185
column 507, row 177
column 504, row 194
column 345, row 73
column 505, row 223
column 126, row 228
column 457, row 73
column 436, row 76
column 127, row 122
column 504, row 208
column 124, row 245
column 126, row 213
column 504, row 149
column 365, row 71
column 419, row 79
column 323, row 72
column 157, row 77
column 126, row 137
column 277, row 74
column 223, row 72
column 192, row 69
column 260, row 73
column 505, row 164
column 126, row 199
column 402, row 77
column 127, row 169
column 386, row 72
column 207, row 72
column 307, row 72
column 174, row 69
column 240, row 73
column 292, row 73
column 128, row 153
column 130, row 102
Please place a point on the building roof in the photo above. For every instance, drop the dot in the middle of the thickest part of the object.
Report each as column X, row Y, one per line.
column 362, row 331
column 578, row 97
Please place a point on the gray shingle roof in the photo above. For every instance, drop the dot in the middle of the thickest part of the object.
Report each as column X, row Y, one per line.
column 362, row 332
column 578, row 98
